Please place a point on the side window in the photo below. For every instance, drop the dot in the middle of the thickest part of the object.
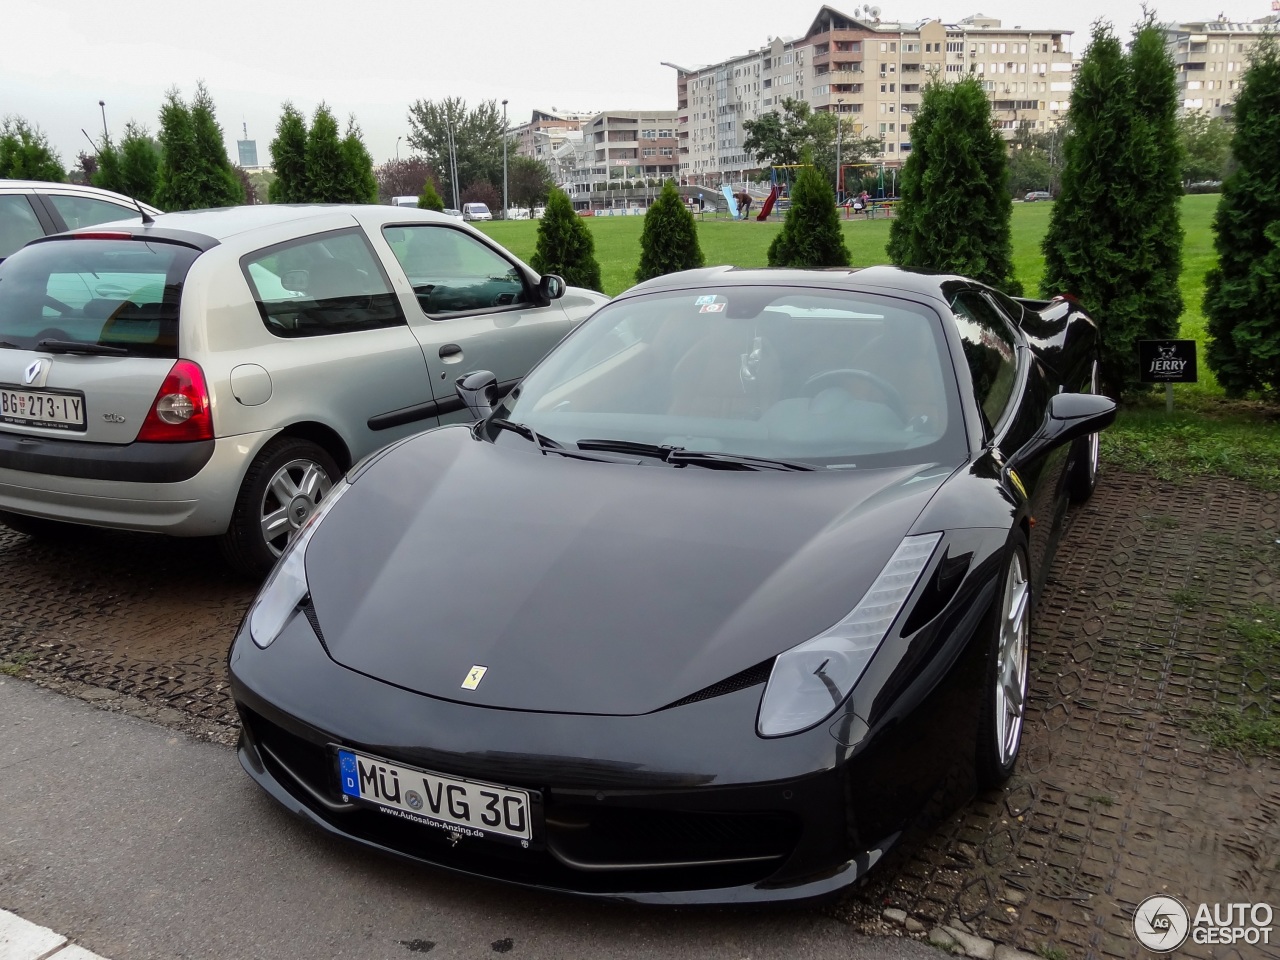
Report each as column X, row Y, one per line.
column 320, row 285
column 88, row 211
column 989, row 349
column 18, row 223
column 452, row 272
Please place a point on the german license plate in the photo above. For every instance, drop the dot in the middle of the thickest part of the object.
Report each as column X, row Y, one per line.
column 41, row 408
column 467, row 807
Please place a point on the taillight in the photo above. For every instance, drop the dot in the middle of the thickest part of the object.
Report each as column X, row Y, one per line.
column 102, row 235
column 181, row 408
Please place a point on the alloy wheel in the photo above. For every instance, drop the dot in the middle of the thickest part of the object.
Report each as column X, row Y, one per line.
column 290, row 498
column 1012, row 659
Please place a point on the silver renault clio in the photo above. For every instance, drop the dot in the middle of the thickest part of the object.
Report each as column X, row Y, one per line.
column 212, row 373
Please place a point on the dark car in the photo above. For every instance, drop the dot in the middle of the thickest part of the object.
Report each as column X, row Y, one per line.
column 1034, row 195
column 34, row 208
column 730, row 591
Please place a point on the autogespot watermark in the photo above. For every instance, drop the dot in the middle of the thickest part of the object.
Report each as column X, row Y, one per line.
column 1162, row 924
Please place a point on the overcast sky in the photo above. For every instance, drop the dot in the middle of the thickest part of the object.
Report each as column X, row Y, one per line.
column 375, row 57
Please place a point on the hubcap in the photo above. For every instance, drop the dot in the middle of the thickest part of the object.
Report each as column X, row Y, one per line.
column 291, row 498
column 1011, row 661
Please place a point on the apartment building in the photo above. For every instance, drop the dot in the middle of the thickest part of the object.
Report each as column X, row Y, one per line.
column 1210, row 57
column 621, row 146
column 545, row 131
column 871, row 73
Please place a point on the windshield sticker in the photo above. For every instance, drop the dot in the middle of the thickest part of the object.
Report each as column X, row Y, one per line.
column 711, row 308
column 703, row 300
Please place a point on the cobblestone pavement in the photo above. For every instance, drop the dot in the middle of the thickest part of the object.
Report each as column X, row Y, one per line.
column 1141, row 637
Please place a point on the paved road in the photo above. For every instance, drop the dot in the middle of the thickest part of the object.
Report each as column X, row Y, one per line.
column 137, row 842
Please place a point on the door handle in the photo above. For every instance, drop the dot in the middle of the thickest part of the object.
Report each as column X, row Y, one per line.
column 450, row 350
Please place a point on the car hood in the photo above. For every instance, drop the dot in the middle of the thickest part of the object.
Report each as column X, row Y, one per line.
column 591, row 587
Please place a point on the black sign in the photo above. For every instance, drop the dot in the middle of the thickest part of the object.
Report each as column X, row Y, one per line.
column 1167, row 361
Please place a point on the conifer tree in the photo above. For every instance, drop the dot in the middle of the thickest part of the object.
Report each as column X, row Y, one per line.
column 1111, row 229
column 1242, row 293
column 669, row 240
column 326, row 163
column 429, row 199
column 955, row 206
column 359, row 185
column 108, row 175
column 810, row 235
column 289, row 157
column 194, row 170
column 25, row 153
column 565, row 245
column 219, row 185
column 139, row 163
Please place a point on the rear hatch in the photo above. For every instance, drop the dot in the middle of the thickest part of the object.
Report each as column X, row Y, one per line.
column 88, row 332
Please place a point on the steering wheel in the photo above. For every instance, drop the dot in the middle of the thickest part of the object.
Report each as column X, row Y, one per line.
column 56, row 304
column 834, row 378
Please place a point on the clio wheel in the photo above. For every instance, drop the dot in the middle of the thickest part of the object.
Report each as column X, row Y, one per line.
column 1005, row 696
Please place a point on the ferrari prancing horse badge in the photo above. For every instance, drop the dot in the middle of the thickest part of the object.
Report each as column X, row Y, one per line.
column 474, row 676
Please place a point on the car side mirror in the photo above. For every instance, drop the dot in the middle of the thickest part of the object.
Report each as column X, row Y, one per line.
column 478, row 390
column 1070, row 415
column 550, row 287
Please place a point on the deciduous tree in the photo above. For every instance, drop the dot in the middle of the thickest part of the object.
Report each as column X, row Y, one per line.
column 1242, row 293
column 1206, row 146
column 669, row 240
column 810, row 235
column 404, row 178
column 955, row 206
column 529, row 182
column 565, row 245
column 477, row 138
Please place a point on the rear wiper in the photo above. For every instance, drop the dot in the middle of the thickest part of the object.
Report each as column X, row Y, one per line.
column 6, row 345
column 526, row 431
column 679, row 456
column 81, row 346
column 707, row 458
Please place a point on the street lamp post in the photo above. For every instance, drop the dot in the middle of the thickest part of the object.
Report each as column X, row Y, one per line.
column 839, row 169
column 504, row 160
column 398, row 139
column 102, row 105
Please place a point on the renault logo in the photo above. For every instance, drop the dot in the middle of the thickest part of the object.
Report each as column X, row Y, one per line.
column 35, row 371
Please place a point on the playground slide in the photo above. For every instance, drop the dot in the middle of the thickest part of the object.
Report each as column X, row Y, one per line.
column 765, row 210
column 733, row 203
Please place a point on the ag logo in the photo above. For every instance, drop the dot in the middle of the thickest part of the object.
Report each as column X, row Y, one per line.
column 1161, row 923
column 474, row 676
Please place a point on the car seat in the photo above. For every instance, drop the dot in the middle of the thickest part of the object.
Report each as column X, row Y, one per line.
column 730, row 372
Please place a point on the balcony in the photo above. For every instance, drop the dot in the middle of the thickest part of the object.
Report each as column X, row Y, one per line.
column 844, row 76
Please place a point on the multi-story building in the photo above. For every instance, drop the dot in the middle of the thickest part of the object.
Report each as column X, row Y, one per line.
column 1210, row 57
column 545, row 130
column 871, row 73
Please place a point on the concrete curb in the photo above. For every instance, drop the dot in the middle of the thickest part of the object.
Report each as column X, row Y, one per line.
column 23, row 940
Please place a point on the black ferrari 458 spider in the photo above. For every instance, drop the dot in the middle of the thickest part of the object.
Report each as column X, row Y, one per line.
column 732, row 589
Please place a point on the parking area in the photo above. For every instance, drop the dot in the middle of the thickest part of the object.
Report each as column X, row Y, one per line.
column 1142, row 646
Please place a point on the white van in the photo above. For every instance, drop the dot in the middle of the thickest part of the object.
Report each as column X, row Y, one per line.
column 404, row 201
column 476, row 211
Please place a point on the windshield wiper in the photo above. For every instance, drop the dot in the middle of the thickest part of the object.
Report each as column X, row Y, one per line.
column 6, row 345
column 526, row 431
column 81, row 346
column 679, row 456
column 707, row 458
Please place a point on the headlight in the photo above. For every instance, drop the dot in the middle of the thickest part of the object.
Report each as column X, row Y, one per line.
column 809, row 681
column 287, row 585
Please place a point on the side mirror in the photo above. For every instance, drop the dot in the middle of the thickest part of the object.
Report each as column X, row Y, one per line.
column 550, row 287
column 1070, row 415
column 478, row 390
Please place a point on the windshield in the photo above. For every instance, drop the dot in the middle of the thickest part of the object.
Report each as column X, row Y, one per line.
column 827, row 377
column 117, row 293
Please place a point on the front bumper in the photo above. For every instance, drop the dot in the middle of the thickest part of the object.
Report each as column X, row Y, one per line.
column 701, row 810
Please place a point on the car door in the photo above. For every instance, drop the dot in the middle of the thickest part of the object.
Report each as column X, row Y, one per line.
column 472, row 307
column 21, row 222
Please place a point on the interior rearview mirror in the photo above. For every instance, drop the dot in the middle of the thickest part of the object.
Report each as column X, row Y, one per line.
column 478, row 390
column 1070, row 415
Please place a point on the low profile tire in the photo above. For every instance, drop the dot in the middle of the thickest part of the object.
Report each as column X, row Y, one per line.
column 37, row 527
column 281, row 489
column 1004, row 697
column 1084, row 460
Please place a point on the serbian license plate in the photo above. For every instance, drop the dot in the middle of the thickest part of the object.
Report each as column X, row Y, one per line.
column 41, row 408
column 466, row 807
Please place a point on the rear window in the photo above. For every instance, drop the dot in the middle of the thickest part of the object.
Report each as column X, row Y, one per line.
column 118, row 293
